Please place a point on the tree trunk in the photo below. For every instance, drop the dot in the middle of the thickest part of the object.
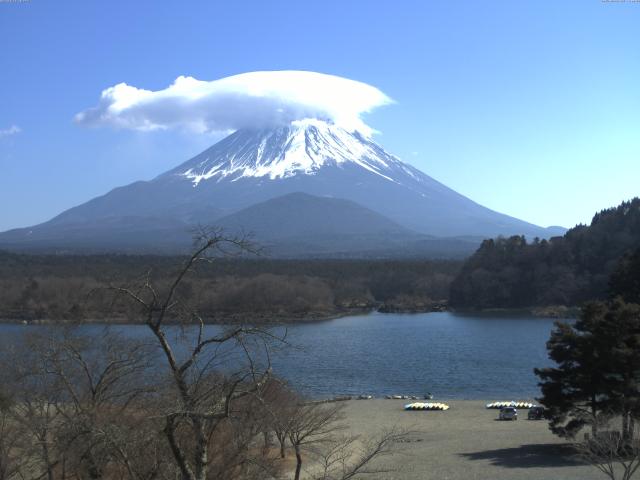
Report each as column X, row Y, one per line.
column 94, row 471
column 45, row 454
column 267, row 443
column 202, row 457
column 298, row 462
column 178, row 455
column 282, row 440
column 594, row 415
column 625, row 427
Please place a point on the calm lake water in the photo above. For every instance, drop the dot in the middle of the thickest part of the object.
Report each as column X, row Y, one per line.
column 450, row 355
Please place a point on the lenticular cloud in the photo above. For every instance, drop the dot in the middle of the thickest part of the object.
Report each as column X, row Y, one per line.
column 248, row 100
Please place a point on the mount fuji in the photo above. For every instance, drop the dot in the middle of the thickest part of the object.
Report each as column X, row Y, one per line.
column 307, row 183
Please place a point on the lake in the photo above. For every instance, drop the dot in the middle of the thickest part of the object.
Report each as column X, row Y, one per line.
column 451, row 355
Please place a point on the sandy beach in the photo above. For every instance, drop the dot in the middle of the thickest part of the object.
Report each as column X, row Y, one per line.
column 468, row 443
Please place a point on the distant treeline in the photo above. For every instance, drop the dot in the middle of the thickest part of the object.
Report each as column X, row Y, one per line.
column 568, row 270
column 70, row 287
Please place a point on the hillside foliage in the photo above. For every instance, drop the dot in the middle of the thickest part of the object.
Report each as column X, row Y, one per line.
column 568, row 270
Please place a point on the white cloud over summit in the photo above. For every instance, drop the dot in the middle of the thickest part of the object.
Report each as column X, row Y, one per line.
column 248, row 100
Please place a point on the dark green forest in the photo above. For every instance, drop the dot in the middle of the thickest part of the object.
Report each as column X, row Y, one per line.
column 72, row 287
column 588, row 263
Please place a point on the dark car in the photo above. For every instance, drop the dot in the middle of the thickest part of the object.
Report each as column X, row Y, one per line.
column 536, row 413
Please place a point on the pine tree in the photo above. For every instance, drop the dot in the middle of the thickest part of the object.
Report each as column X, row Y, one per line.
column 597, row 372
column 625, row 280
column 622, row 328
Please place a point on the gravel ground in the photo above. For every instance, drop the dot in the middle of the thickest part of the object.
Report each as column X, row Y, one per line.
column 468, row 443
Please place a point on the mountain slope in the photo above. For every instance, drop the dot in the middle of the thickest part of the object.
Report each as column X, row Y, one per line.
column 300, row 214
column 299, row 224
column 253, row 166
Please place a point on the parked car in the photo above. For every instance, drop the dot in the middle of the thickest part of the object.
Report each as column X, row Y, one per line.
column 508, row 413
column 536, row 413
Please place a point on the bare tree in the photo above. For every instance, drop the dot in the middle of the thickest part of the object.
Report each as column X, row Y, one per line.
column 279, row 406
column 236, row 453
column 105, row 386
column 310, row 425
column 317, row 430
column 348, row 457
column 34, row 409
column 12, row 441
column 80, row 405
column 616, row 455
column 200, row 400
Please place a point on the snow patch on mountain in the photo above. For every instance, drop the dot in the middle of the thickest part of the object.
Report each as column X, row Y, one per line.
column 304, row 147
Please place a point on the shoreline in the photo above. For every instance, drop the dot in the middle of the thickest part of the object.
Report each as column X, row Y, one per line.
column 281, row 318
column 229, row 318
column 220, row 319
column 551, row 311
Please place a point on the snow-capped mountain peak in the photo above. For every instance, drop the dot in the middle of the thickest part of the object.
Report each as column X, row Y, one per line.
column 266, row 180
column 303, row 147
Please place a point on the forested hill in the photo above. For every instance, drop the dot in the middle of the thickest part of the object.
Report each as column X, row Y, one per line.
column 568, row 270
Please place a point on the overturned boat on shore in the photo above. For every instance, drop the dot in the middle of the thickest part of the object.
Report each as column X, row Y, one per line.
column 427, row 406
column 511, row 403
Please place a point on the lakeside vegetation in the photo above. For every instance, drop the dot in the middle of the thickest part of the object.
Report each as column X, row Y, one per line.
column 57, row 288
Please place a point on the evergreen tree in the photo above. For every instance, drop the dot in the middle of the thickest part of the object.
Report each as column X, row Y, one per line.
column 625, row 280
column 621, row 328
column 574, row 392
column 598, row 369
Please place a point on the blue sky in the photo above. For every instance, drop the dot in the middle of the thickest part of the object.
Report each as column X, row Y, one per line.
column 529, row 108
